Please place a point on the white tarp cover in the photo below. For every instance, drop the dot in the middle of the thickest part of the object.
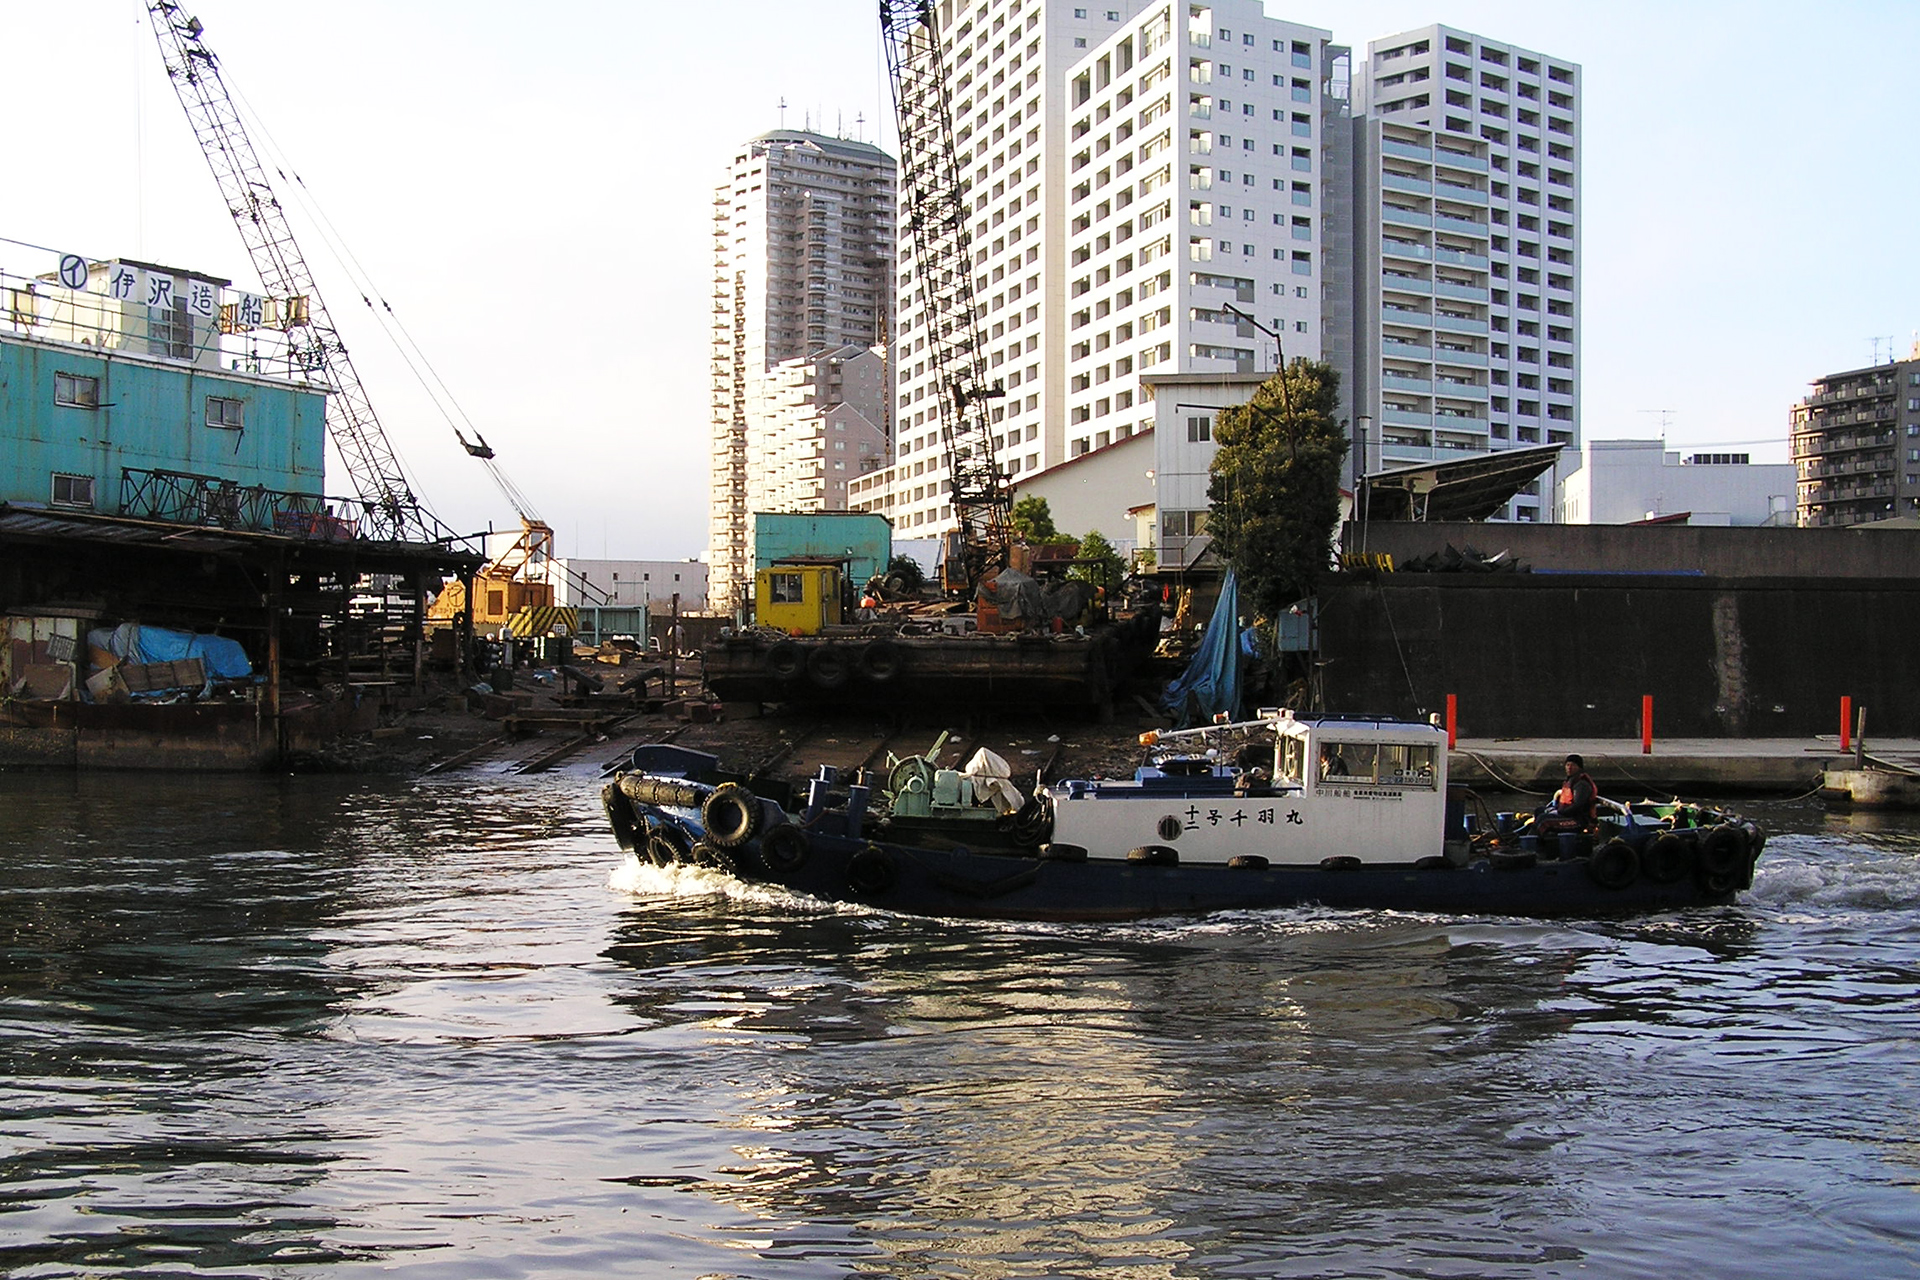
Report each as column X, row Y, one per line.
column 990, row 775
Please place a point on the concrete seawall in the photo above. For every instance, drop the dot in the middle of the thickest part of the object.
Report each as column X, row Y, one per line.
column 1684, row 766
column 1572, row 655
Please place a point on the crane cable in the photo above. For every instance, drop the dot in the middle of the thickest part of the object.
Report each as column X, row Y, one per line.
column 410, row 352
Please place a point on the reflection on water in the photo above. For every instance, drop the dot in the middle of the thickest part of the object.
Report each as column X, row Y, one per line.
column 254, row 1025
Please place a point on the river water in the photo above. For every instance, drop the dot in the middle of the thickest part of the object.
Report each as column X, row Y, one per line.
column 264, row 1027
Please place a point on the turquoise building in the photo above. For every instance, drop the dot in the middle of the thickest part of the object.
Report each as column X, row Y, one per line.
column 863, row 539
column 152, row 392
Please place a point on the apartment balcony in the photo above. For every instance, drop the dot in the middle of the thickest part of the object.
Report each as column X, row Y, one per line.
column 1393, row 248
column 1465, row 195
column 1459, row 258
column 1405, row 217
column 1463, row 226
column 1405, row 284
column 1405, row 418
column 1395, row 382
column 1401, row 349
column 1400, row 182
column 1466, row 292
column 1459, row 324
column 1443, row 354
column 1455, row 160
column 1459, row 389
column 1406, row 151
column 1459, row 422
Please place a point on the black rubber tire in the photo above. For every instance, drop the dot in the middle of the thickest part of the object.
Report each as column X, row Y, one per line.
column 1154, row 855
column 1512, row 859
column 731, row 815
column 1614, row 865
column 1340, row 862
column 665, row 847
column 1248, row 862
column 1723, row 864
column 785, row 660
column 871, row 872
column 1063, row 852
column 705, row 853
column 1723, row 850
column 881, row 661
column 784, row 849
column 620, row 815
column 1667, row 858
column 828, row 667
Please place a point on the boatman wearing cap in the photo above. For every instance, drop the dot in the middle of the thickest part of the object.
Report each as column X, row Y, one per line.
column 1572, row 807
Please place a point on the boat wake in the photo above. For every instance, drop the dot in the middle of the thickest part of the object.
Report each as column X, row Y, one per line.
column 1880, row 882
column 638, row 879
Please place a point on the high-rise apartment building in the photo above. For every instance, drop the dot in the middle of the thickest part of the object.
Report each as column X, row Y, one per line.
column 819, row 422
column 803, row 237
column 1856, row 445
column 1131, row 172
column 1466, row 251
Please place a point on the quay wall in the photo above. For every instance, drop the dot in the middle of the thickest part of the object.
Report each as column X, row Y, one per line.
column 1571, row 655
column 1709, row 551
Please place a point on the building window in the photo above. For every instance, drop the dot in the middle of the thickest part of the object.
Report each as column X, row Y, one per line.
column 76, row 390
column 1199, row 429
column 72, row 491
column 226, row 412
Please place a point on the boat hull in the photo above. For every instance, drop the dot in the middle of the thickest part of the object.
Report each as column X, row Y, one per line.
column 967, row 883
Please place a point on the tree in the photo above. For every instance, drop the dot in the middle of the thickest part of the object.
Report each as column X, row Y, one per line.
column 1107, row 569
column 1032, row 520
column 1275, row 489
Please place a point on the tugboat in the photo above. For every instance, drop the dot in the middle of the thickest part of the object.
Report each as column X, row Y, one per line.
column 1280, row 811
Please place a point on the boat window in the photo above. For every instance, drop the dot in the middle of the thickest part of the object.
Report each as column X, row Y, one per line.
column 784, row 588
column 1347, row 761
column 1406, row 764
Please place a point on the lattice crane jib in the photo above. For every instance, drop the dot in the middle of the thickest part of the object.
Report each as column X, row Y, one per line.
column 392, row 509
column 935, row 200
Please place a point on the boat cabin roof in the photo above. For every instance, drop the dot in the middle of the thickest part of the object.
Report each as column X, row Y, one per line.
column 1355, row 729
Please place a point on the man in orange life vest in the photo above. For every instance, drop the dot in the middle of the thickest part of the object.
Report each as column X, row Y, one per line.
column 1572, row 805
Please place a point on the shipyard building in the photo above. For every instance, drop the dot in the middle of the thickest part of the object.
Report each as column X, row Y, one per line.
column 176, row 587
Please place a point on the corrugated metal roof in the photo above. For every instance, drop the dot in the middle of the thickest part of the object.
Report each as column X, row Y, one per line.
column 38, row 524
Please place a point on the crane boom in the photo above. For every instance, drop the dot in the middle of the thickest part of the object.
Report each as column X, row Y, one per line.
column 392, row 509
column 936, row 213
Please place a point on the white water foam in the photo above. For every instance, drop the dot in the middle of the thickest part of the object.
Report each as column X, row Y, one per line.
column 1882, row 883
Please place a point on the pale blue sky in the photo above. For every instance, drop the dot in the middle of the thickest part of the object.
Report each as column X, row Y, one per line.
column 530, row 188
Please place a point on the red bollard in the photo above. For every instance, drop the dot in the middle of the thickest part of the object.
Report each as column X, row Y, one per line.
column 1646, row 724
column 1453, row 707
column 1846, row 722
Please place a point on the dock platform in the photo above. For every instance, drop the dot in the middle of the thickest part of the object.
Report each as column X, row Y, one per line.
column 1691, row 766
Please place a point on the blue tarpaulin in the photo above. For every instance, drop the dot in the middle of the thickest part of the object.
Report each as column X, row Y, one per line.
column 1211, row 683
column 220, row 658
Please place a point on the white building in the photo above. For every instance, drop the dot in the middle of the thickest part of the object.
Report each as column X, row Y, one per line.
column 633, row 584
column 1132, row 171
column 803, row 232
column 1466, row 252
column 1626, row 481
column 817, row 423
